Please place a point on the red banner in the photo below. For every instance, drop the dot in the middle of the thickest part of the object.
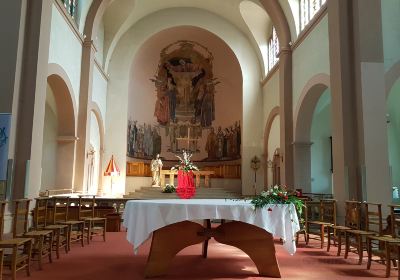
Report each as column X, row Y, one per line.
column 186, row 188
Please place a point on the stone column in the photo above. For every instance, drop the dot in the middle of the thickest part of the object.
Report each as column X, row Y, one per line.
column 85, row 98
column 371, row 100
column 32, row 99
column 360, row 160
column 302, row 157
column 286, row 116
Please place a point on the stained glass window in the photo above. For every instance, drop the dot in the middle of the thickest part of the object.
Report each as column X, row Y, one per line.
column 71, row 7
column 308, row 9
column 273, row 49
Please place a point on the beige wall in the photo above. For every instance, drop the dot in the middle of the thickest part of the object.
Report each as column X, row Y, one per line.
column 116, row 120
column 142, row 92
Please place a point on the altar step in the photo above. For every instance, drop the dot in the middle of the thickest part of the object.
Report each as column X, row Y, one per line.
column 201, row 193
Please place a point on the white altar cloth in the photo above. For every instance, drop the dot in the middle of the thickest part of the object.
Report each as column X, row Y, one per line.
column 142, row 217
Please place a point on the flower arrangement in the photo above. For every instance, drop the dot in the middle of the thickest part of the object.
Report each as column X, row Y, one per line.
column 278, row 195
column 185, row 163
column 169, row 189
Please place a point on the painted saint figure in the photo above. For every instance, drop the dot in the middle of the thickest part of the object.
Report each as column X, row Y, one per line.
column 156, row 167
column 211, row 144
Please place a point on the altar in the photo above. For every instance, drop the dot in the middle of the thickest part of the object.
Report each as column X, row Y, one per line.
column 197, row 174
column 171, row 224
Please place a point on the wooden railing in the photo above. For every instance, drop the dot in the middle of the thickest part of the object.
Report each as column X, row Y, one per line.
column 231, row 171
column 197, row 174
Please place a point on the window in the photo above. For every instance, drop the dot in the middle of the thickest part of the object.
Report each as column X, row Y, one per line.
column 308, row 9
column 273, row 49
column 71, row 7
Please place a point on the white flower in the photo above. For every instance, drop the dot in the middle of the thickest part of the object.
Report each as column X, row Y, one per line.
column 264, row 194
column 276, row 187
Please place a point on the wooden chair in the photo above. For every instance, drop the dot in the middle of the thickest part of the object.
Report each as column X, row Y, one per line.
column 321, row 215
column 303, row 218
column 40, row 222
column 60, row 215
column 19, row 250
column 94, row 226
column 357, row 238
column 352, row 221
column 385, row 246
column 43, row 239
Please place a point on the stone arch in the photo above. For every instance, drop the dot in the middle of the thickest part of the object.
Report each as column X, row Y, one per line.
column 391, row 76
column 272, row 115
column 96, row 110
column 279, row 20
column 129, row 44
column 309, row 97
column 63, row 152
column 304, row 112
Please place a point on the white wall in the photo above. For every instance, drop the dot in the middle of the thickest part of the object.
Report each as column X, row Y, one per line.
column 270, row 95
column 65, row 50
column 321, row 176
column 116, row 123
column 83, row 9
column 95, row 143
column 99, row 92
column 99, row 43
column 391, row 32
column 310, row 58
column 50, row 145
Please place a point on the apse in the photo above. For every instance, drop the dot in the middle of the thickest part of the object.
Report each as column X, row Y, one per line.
column 204, row 77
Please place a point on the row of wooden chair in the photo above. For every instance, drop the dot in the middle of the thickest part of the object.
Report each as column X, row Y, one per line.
column 52, row 229
column 362, row 230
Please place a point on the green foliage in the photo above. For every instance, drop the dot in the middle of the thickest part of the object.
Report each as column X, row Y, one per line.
column 169, row 189
column 277, row 195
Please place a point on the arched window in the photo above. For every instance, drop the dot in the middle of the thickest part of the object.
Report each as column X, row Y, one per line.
column 308, row 9
column 273, row 49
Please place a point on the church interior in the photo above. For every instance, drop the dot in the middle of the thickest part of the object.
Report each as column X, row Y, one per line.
column 267, row 125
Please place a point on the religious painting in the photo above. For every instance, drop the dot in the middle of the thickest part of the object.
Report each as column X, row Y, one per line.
column 144, row 140
column 185, row 110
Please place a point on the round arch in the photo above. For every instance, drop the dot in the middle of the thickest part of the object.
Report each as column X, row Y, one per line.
column 274, row 113
column 129, row 44
column 391, row 76
column 303, row 117
column 60, row 131
column 96, row 111
column 309, row 97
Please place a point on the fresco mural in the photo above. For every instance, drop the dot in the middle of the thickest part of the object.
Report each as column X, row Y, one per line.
column 184, row 110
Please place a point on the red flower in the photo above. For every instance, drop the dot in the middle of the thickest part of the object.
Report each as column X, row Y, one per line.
column 286, row 197
column 269, row 209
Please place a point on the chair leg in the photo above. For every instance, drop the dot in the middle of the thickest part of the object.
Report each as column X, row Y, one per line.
column 58, row 242
column 347, row 245
column 40, row 253
column 328, row 247
column 360, row 249
column 339, row 248
column 51, row 244
column 104, row 230
column 387, row 256
column 29, row 252
column 369, row 246
column 14, row 263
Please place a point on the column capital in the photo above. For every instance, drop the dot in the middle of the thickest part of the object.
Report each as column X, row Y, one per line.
column 89, row 44
column 285, row 50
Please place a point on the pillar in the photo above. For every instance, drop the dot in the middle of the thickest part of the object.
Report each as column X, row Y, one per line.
column 286, row 116
column 32, row 99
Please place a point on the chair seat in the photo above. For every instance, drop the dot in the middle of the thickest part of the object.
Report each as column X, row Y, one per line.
column 14, row 241
column 361, row 232
column 36, row 233
column 96, row 219
column 320, row 223
column 72, row 222
column 53, row 227
column 386, row 238
column 340, row 227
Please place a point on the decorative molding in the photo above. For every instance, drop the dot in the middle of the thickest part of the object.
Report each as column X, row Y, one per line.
column 270, row 74
column 90, row 44
column 67, row 138
column 101, row 70
column 70, row 21
column 310, row 26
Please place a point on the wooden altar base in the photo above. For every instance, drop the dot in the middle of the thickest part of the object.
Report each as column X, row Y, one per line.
column 257, row 243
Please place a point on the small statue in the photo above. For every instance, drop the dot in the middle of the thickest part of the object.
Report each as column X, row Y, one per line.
column 156, row 166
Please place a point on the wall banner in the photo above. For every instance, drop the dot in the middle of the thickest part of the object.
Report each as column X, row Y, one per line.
column 5, row 124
